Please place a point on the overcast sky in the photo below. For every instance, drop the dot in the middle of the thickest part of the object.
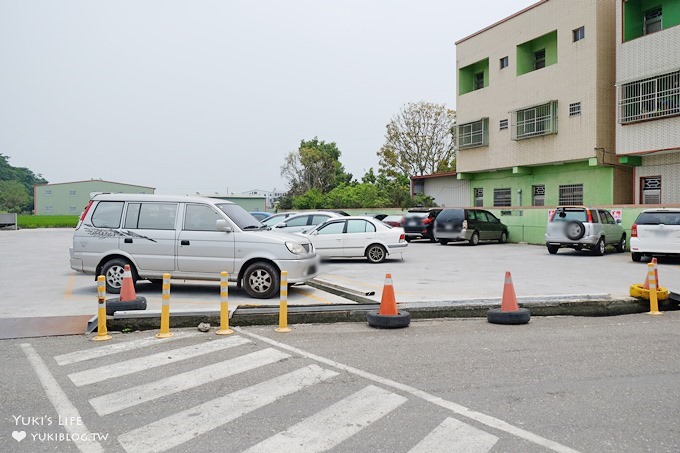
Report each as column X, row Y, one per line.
column 209, row 96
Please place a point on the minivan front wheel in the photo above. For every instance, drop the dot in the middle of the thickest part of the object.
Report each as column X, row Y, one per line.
column 474, row 240
column 261, row 280
column 113, row 271
column 598, row 250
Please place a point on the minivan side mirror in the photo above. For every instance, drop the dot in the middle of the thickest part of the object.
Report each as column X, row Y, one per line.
column 222, row 225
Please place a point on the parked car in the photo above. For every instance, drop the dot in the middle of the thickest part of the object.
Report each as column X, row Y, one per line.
column 468, row 224
column 192, row 238
column 418, row 222
column 277, row 218
column 305, row 221
column 579, row 227
column 393, row 220
column 356, row 236
column 656, row 232
column 259, row 215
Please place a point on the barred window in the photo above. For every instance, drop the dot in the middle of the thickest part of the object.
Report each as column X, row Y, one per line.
column 538, row 195
column 534, row 121
column 575, row 109
column 653, row 20
column 651, row 190
column 479, row 197
column 654, row 97
column 502, row 197
column 503, row 124
column 471, row 135
column 571, row 194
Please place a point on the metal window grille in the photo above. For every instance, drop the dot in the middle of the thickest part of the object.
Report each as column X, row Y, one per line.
column 502, row 197
column 571, row 194
column 471, row 135
column 654, row 97
column 503, row 124
column 534, row 121
column 575, row 109
column 479, row 197
column 651, row 190
column 539, row 59
column 538, row 195
column 579, row 33
column 504, row 62
column 652, row 21
column 479, row 80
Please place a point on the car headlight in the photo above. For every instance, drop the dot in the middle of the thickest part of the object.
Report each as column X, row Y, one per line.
column 296, row 248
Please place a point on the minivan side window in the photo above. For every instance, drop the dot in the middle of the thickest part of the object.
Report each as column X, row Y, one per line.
column 152, row 216
column 299, row 221
column 107, row 214
column 200, row 218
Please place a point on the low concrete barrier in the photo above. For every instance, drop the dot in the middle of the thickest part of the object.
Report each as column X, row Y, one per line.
column 8, row 221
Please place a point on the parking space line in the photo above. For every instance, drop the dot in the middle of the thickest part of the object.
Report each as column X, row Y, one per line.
column 453, row 407
column 80, row 435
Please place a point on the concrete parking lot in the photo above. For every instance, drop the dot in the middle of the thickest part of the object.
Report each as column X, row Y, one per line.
column 37, row 280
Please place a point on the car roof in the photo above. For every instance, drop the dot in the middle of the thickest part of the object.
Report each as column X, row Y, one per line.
column 156, row 197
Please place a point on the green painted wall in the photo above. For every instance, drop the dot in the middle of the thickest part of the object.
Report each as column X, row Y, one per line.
column 634, row 14
column 71, row 198
column 466, row 76
column 598, row 183
column 525, row 52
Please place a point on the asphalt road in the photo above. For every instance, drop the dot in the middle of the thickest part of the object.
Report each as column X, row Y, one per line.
column 556, row 384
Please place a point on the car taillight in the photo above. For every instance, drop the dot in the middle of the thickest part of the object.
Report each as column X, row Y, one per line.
column 590, row 215
column 402, row 237
column 633, row 231
column 427, row 221
column 465, row 224
column 87, row 208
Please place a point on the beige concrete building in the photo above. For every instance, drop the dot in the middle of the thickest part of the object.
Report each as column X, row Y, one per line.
column 648, row 94
column 536, row 108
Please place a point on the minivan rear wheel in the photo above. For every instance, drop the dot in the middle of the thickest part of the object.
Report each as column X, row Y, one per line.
column 113, row 271
column 261, row 280
column 474, row 240
column 504, row 238
column 621, row 246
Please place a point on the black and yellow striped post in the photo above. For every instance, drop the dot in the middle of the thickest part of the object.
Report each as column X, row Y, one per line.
column 102, row 333
column 165, row 309
column 224, row 305
column 283, row 306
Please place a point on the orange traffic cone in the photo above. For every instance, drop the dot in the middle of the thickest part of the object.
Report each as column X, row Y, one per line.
column 656, row 276
column 388, row 303
column 127, row 289
column 509, row 301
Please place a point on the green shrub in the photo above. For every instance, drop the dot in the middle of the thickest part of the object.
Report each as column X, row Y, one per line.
column 47, row 221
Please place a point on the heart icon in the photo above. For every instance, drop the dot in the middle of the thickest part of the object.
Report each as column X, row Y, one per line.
column 19, row 435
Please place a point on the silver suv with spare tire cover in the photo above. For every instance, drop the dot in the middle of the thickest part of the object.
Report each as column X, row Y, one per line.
column 579, row 228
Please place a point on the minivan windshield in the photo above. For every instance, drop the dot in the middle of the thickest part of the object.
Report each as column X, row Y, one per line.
column 657, row 218
column 451, row 215
column 240, row 217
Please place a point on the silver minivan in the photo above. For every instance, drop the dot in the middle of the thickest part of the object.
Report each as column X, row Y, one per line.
column 192, row 238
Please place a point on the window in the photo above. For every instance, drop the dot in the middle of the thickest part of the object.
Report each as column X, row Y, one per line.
column 152, row 216
column 503, row 124
column 579, row 33
column 652, row 21
column 298, row 221
column 502, row 197
column 107, row 214
column 539, row 59
column 199, row 218
column 575, row 109
column 72, row 193
column 317, row 219
column 571, row 194
column 504, row 62
column 48, row 192
column 333, row 228
column 650, row 188
column 538, row 195
column 73, row 209
column 479, row 81
column 606, row 217
column 534, row 121
column 654, row 97
column 471, row 135
column 479, row 196
column 359, row 226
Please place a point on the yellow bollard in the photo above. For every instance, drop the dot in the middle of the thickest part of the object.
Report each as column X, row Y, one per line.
column 283, row 307
column 165, row 309
column 653, row 299
column 224, row 305
column 102, row 333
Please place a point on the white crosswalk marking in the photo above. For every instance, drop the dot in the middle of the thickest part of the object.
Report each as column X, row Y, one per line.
column 130, row 397
column 151, row 361
column 115, row 348
column 337, row 422
column 454, row 436
column 188, row 424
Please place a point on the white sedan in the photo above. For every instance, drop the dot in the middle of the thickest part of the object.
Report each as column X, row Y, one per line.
column 355, row 236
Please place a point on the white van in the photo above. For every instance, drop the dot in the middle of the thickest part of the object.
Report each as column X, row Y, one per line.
column 192, row 238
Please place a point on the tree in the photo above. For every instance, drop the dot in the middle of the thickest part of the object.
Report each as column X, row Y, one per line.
column 25, row 178
column 315, row 165
column 13, row 196
column 420, row 140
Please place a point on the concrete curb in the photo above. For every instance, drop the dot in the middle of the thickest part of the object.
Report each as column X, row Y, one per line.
column 574, row 305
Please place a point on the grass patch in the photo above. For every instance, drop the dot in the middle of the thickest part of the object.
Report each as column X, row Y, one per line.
column 47, row 221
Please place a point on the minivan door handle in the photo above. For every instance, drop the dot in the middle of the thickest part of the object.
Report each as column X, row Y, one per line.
column 184, row 242
column 128, row 240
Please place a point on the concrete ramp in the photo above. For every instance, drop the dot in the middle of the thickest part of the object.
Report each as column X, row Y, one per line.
column 43, row 326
